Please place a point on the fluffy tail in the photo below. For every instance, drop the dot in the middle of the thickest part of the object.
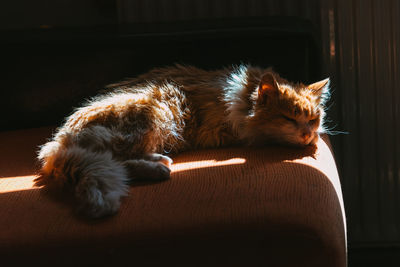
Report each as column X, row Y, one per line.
column 97, row 181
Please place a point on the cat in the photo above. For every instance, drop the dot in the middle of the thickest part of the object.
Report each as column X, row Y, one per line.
column 123, row 135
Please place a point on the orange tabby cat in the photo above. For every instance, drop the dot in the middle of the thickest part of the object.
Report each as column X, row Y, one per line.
column 119, row 137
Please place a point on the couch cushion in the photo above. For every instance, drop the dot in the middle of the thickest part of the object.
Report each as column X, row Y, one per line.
column 233, row 206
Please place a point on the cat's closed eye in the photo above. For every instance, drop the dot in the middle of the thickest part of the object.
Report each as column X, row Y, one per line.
column 289, row 119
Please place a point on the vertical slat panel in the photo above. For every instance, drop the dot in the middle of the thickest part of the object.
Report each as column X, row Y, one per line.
column 175, row 10
column 345, row 54
column 256, row 8
column 327, row 37
column 384, row 119
column 368, row 183
column 199, row 8
column 395, row 16
column 377, row 81
column 368, row 85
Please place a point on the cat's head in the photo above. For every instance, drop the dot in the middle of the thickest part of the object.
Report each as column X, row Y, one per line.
column 289, row 113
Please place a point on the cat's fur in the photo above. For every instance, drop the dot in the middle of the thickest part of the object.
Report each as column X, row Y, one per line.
column 118, row 137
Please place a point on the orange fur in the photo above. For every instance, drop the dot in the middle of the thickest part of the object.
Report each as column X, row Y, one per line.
column 115, row 137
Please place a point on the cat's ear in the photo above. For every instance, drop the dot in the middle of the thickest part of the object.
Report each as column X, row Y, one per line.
column 268, row 86
column 320, row 90
column 320, row 87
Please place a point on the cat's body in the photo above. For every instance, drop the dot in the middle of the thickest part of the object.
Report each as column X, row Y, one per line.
column 120, row 136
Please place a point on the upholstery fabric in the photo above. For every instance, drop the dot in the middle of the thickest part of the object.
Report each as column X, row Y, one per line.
column 259, row 206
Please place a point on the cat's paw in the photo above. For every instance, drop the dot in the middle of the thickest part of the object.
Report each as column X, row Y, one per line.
column 167, row 161
column 314, row 141
column 162, row 172
column 147, row 170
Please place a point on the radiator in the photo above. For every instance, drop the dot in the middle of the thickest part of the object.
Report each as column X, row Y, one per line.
column 361, row 53
column 364, row 58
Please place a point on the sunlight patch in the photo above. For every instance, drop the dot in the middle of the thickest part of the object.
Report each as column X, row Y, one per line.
column 17, row 183
column 184, row 166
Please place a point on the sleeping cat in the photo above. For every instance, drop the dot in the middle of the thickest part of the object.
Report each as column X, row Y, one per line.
column 121, row 136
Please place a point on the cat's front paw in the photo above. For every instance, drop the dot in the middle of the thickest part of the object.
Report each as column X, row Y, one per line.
column 162, row 172
column 167, row 161
column 147, row 170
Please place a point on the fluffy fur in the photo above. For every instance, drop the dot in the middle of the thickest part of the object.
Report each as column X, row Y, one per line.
column 120, row 136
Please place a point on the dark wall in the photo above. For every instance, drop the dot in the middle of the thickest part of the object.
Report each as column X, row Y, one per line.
column 50, row 71
column 27, row 14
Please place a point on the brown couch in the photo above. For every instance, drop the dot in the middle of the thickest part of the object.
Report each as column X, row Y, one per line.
column 271, row 206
